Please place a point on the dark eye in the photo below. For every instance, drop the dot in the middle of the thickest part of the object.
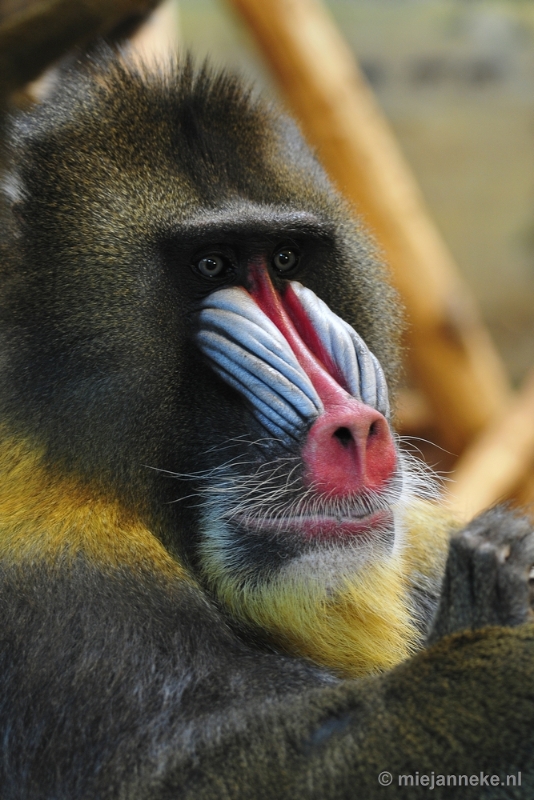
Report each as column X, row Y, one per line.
column 212, row 266
column 285, row 259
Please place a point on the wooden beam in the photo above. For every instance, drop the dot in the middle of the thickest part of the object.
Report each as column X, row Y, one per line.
column 452, row 356
column 499, row 461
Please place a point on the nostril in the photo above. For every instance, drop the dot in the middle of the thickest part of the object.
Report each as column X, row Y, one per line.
column 349, row 449
column 344, row 435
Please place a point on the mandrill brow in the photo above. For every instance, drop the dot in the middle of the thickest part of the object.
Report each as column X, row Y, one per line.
column 222, row 574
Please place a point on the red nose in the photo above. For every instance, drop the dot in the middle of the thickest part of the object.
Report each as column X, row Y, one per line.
column 349, row 448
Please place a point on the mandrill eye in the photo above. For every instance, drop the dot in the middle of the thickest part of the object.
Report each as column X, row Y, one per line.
column 285, row 259
column 211, row 266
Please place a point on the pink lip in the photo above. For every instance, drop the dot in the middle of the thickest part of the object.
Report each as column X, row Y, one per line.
column 324, row 527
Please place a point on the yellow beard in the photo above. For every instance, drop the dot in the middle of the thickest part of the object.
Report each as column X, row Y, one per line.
column 367, row 624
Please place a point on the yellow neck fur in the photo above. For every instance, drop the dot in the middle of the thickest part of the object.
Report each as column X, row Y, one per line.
column 46, row 516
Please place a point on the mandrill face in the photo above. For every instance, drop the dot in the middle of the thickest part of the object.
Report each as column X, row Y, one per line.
column 321, row 399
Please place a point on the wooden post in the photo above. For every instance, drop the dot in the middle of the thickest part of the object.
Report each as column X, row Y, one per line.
column 499, row 461
column 452, row 356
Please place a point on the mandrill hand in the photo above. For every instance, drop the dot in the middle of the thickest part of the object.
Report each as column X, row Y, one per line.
column 487, row 577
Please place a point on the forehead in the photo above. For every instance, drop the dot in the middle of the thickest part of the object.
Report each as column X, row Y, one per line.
column 154, row 150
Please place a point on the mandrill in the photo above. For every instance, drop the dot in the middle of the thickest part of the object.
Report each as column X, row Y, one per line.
column 218, row 577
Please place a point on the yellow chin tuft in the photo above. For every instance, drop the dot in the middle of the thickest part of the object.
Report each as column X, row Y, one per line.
column 367, row 624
